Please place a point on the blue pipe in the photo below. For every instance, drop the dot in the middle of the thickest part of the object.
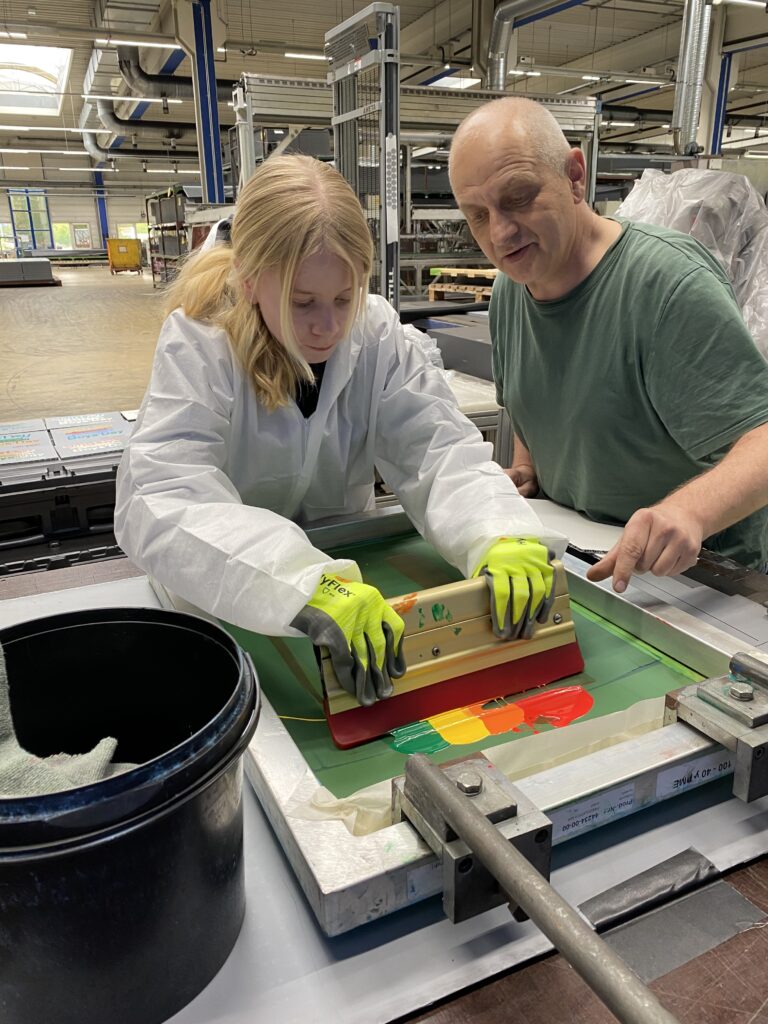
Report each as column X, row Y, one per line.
column 101, row 206
column 207, row 101
column 721, row 102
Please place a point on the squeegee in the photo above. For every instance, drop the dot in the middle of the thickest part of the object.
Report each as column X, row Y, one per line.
column 454, row 659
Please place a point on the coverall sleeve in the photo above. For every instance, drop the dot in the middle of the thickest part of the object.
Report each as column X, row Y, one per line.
column 179, row 517
column 437, row 463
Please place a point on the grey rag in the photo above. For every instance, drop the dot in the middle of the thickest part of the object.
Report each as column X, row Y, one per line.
column 24, row 774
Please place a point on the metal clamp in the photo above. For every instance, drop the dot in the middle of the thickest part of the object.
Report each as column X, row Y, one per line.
column 469, row 887
column 733, row 710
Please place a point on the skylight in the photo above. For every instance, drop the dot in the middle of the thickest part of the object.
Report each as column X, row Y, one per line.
column 32, row 79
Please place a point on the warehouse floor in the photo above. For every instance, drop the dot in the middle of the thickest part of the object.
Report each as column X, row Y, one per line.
column 84, row 347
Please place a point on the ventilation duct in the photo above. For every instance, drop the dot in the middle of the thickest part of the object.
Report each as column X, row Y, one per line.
column 502, row 30
column 691, row 66
column 98, row 152
column 173, row 86
column 123, row 126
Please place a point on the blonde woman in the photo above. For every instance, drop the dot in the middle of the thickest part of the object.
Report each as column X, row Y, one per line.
column 278, row 384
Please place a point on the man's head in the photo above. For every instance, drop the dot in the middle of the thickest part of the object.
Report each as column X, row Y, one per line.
column 521, row 187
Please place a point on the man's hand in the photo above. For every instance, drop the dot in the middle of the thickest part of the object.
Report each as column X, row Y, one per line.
column 363, row 635
column 664, row 540
column 525, row 480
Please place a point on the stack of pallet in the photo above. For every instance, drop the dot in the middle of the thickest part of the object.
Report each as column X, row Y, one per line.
column 455, row 282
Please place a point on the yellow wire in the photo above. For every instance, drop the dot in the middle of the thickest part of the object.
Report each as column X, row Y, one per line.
column 295, row 718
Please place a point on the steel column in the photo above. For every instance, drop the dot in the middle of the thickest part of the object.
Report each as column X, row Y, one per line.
column 206, row 104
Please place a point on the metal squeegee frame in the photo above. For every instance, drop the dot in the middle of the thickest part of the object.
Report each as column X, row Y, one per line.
column 350, row 880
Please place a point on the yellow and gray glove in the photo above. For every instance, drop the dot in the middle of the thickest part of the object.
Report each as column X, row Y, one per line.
column 363, row 635
column 519, row 577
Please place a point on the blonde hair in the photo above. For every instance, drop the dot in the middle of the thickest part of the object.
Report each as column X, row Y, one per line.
column 292, row 207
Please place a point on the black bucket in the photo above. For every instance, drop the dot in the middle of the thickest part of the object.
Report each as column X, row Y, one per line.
column 119, row 901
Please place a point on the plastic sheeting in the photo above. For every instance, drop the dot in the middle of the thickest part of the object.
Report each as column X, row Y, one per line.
column 727, row 215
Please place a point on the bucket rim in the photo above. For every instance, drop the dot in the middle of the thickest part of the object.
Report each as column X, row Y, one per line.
column 152, row 775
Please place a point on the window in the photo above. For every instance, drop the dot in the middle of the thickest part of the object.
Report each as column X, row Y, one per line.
column 30, row 219
column 32, row 79
column 126, row 230
column 7, row 243
column 142, row 232
column 62, row 236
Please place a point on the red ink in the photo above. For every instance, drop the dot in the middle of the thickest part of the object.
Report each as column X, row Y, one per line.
column 556, row 707
column 502, row 718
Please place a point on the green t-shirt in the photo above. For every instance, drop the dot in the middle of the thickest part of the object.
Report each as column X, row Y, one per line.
column 634, row 382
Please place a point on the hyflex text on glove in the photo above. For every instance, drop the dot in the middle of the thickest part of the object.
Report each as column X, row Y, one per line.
column 362, row 633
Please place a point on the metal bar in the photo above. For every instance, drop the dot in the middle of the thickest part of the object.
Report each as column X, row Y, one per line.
column 603, row 970
column 721, row 102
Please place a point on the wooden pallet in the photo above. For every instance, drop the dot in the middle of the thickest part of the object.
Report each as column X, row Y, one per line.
column 442, row 292
column 489, row 273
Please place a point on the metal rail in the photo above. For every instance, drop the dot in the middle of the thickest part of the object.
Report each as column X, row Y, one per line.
column 602, row 969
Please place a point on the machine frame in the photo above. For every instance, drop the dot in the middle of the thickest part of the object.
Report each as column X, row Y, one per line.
column 350, row 880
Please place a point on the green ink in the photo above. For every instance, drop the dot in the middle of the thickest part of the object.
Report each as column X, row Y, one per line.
column 416, row 738
column 456, row 630
column 421, row 617
column 441, row 614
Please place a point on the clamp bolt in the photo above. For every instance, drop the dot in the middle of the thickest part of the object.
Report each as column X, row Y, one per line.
column 742, row 691
column 557, row 618
column 470, row 783
column 435, row 652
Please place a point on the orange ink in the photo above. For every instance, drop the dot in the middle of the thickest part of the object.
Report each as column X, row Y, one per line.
column 405, row 604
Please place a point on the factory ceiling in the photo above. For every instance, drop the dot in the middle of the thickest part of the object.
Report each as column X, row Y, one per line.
column 588, row 48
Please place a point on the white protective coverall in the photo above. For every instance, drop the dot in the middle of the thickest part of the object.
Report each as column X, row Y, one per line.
column 213, row 489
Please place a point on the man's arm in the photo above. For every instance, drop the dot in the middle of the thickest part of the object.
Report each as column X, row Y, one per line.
column 522, row 473
column 666, row 538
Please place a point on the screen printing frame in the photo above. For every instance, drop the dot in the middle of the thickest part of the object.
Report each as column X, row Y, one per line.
column 351, row 880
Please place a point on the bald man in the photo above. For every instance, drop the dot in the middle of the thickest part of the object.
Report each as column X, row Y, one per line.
column 636, row 392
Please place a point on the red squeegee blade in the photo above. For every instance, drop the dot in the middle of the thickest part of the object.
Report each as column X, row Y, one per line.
column 358, row 725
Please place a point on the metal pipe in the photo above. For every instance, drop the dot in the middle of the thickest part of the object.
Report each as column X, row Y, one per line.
column 124, row 126
column 504, row 18
column 692, row 107
column 603, row 970
column 98, row 152
column 481, row 14
column 173, row 86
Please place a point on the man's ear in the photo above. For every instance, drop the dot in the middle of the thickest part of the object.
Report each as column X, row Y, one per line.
column 577, row 174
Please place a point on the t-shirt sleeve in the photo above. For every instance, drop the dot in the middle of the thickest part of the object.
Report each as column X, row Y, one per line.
column 704, row 374
column 497, row 362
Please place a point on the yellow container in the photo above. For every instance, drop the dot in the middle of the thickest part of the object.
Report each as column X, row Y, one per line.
column 124, row 254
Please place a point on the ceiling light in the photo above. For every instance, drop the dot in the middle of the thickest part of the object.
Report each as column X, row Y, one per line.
column 454, row 83
column 533, row 74
column 169, row 170
column 515, row 72
column 129, row 99
column 221, row 49
column 756, row 156
column 279, row 131
column 646, row 81
column 12, row 167
column 109, row 41
column 305, row 56
column 424, row 151
column 590, row 78
column 49, row 128
column 621, row 124
column 12, row 35
column 55, row 152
